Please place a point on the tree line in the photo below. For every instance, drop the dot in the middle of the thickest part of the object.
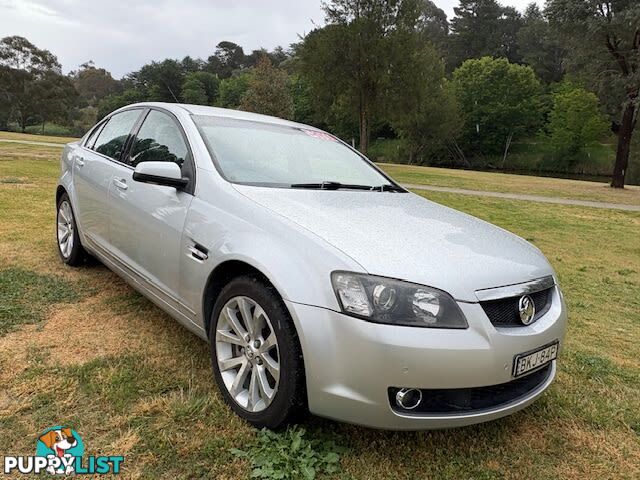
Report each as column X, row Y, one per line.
column 456, row 93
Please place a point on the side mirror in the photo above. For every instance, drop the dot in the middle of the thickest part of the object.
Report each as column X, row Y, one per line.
column 160, row 173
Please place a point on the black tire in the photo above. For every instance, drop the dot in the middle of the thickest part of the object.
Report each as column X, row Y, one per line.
column 289, row 402
column 77, row 255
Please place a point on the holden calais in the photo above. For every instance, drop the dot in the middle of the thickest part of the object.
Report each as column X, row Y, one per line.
column 319, row 283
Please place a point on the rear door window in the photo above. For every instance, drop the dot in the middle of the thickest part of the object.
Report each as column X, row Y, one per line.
column 113, row 137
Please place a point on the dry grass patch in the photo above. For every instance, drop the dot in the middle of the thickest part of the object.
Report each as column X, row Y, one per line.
column 36, row 138
column 18, row 151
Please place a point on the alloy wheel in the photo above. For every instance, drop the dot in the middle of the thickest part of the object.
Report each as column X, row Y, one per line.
column 247, row 354
column 65, row 229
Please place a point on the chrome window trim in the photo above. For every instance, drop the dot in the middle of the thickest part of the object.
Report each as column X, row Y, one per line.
column 516, row 290
column 89, row 135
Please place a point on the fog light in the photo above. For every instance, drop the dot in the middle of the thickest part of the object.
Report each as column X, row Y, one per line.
column 408, row 398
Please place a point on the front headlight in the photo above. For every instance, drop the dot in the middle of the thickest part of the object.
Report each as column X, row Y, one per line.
column 385, row 300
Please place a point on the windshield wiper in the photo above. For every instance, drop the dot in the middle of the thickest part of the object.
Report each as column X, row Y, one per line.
column 330, row 186
column 387, row 187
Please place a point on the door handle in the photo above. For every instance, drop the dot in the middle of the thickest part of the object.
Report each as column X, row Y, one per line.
column 79, row 162
column 121, row 183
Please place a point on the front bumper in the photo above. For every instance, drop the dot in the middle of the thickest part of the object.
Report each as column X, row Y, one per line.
column 350, row 364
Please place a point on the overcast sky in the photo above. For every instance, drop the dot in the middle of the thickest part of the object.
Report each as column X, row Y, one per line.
column 122, row 35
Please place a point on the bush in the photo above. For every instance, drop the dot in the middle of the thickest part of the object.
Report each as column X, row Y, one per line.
column 52, row 129
column 387, row 151
column 575, row 122
column 500, row 102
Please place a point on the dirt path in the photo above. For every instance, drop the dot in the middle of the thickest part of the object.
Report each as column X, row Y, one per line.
column 530, row 198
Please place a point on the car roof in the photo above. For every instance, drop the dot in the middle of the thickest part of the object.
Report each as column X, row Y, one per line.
column 222, row 113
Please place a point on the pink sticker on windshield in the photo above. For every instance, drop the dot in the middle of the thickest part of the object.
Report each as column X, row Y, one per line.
column 320, row 135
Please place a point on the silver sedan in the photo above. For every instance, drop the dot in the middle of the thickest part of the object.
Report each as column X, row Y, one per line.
column 320, row 284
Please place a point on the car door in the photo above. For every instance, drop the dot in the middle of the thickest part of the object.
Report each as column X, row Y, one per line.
column 93, row 170
column 145, row 220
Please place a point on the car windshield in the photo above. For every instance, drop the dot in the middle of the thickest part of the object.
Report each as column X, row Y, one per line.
column 264, row 154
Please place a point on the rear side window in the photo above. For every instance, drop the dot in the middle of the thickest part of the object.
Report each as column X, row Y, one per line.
column 111, row 140
column 159, row 140
column 91, row 140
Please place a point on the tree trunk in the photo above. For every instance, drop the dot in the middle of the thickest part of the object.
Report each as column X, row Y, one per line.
column 364, row 132
column 363, row 126
column 506, row 149
column 624, row 145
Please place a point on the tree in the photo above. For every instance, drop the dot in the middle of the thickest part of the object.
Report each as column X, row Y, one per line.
column 31, row 81
column 126, row 97
column 540, row 46
column 500, row 100
column 574, row 122
column 57, row 98
column 348, row 63
column 161, row 81
column 193, row 91
column 483, row 28
column 303, row 111
column 604, row 37
column 277, row 56
column 422, row 108
column 210, row 83
column 190, row 65
column 93, row 84
column 19, row 53
column 232, row 90
column 346, row 60
column 432, row 24
column 268, row 91
column 200, row 88
column 633, row 175
column 5, row 106
column 227, row 58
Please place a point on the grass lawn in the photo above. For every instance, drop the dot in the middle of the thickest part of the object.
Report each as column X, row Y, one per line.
column 80, row 347
column 35, row 138
column 509, row 183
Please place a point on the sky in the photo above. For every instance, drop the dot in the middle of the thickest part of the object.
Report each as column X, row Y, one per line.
column 123, row 35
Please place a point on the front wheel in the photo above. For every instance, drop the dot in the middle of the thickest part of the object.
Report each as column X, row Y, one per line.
column 256, row 355
column 69, row 247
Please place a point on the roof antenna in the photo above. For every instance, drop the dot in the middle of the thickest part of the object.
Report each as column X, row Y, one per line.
column 171, row 92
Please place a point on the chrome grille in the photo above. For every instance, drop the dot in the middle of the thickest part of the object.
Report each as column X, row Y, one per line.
column 504, row 312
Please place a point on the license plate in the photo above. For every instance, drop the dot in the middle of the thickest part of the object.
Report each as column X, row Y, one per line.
column 525, row 362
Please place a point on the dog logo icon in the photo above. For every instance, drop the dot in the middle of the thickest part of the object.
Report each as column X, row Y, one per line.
column 63, row 443
column 60, row 451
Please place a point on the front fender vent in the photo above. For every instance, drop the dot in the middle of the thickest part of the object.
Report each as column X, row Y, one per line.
column 198, row 252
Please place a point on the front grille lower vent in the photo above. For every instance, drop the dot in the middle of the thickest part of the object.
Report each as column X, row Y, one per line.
column 504, row 312
column 468, row 400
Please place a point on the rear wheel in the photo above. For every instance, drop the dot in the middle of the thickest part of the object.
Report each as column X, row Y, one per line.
column 256, row 355
column 69, row 247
